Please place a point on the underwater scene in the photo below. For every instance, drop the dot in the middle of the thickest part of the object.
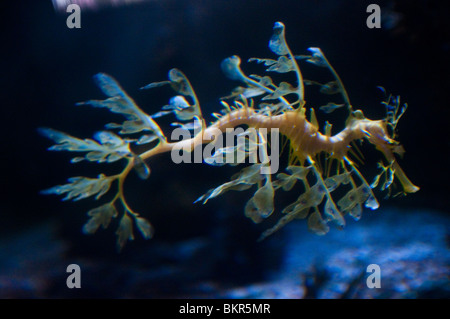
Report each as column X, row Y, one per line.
column 259, row 149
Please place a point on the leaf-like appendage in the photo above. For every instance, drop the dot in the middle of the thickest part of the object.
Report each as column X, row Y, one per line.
column 316, row 194
column 144, row 139
column 144, row 227
column 194, row 125
column 393, row 111
column 182, row 109
column 317, row 58
column 120, row 102
column 357, row 197
column 311, row 198
column 389, row 178
column 131, row 127
column 82, row 187
column 252, row 89
column 317, row 225
column 250, row 174
column 267, row 62
column 124, row 231
column 387, row 174
column 283, row 89
column 278, row 42
column 282, row 65
column 108, row 139
column 252, row 211
column 285, row 181
column 219, row 156
column 155, row 85
column 141, row 168
column 179, row 82
column 109, row 147
column 330, row 107
column 263, row 80
column 108, row 85
column 298, row 209
column 333, row 214
column 355, row 211
column 100, row 216
column 243, row 180
column 178, row 104
column 116, row 104
column 273, row 108
column 372, row 202
column 214, row 192
column 330, row 88
column 299, row 172
column 245, row 92
column 234, row 155
column 232, row 69
column 263, row 200
column 335, row 181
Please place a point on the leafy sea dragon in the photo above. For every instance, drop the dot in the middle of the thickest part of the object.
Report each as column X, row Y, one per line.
column 319, row 163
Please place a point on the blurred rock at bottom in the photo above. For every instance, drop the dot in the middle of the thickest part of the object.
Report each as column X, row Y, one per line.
column 410, row 247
